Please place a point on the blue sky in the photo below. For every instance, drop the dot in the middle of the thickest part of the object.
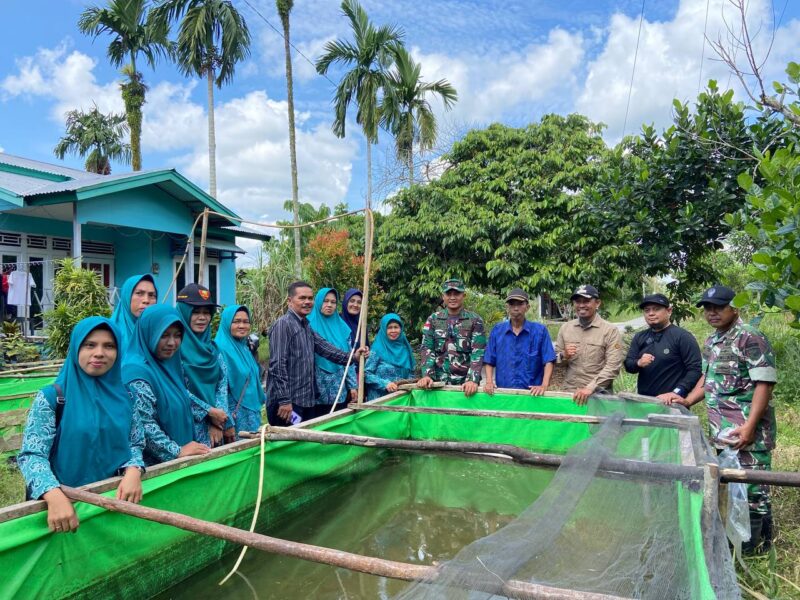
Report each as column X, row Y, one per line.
column 511, row 62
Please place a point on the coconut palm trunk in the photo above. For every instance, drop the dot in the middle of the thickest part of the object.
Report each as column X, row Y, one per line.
column 212, row 139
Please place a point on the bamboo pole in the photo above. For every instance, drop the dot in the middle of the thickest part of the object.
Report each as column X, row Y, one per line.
column 319, row 554
column 47, row 367
column 510, row 414
column 17, row 396
column 28, row 375
column 203, row 233
column 35, row 363
column 362, row 333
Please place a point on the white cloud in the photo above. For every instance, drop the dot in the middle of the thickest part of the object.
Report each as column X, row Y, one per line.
column 668, row 62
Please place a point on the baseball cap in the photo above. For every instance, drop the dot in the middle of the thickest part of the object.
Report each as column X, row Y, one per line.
column 453, row 284
column 518, row 294
column 195, row 295
column 719, row 295
column 585, row 291
column 659, row 299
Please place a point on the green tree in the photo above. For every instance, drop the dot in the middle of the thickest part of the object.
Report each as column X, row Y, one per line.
column 132, row 35
column 509, row 211
column 212, row 38
column 97, row 137
column 369, row 54
column 406, row 111
column 284, row 9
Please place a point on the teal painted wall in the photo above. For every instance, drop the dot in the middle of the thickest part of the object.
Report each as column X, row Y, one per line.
column 35, row 225
column 150, row 206
column 227, row 281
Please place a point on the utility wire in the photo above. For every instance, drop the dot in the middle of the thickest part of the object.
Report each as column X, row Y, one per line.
column 633, row 70
column 280, row 33
column 703, row 51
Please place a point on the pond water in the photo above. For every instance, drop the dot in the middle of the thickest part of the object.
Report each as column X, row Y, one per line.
column 416, row 508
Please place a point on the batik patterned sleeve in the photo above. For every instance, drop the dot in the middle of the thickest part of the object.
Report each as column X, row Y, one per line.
column 136, row 440
column 373, row 373
column 224, row 401
column 478, row 348
column 157, row 443
column 200, row 407
column 37, row 441
column 428, row 349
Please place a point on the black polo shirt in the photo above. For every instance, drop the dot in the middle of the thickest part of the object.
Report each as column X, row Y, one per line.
column 677, row 364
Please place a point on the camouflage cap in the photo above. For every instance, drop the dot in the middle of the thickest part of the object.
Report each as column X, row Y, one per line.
column 453, row 284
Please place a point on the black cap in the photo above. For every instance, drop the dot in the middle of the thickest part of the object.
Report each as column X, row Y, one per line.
column 659, row 299
column 195, row 295
column 719, row 295
column 518, row 294
column 585, row 291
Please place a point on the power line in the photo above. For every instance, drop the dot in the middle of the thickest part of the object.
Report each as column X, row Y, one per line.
column 280, row 33
column 703, row 51
column 633, row 70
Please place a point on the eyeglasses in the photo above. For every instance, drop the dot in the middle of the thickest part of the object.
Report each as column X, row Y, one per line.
column 241, row 322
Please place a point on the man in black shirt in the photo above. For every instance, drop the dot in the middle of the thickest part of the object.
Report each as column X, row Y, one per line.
column 666, row 357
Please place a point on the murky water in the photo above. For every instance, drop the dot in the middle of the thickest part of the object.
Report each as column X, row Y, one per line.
column 419, row 509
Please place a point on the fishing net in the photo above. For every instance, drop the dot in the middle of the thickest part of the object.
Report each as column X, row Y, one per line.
column 598, row 531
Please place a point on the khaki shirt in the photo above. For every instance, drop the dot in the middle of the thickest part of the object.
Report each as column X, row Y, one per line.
column 599, row 356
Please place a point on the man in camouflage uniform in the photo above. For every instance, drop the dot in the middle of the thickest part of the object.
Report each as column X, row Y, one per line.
column 738, row 376
column 453, row 342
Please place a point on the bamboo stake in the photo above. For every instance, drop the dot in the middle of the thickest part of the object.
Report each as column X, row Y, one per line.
column 28, row 375
column 203, row 233
column 319, row 554
column 362, row 333
column 531, row 416
column 34, row 363
column 14, row 370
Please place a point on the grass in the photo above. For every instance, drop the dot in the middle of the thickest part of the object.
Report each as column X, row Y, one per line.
column 12, row 487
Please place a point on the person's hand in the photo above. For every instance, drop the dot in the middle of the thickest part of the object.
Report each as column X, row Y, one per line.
column 229, row 435
column 746, row 434
column 353, row 395
column 670, row 398
column 538, row 390
column 391, row 387
column 61, row 515
column 570, row 350
column 425, row 383
column 218, row 417
column 645, row 360
column 193, row 449
column 130, row 488
column 582, row 396
column 362, row 351
column 215, row 433
column 469, row 388
column 285, row 412
column 489, row 387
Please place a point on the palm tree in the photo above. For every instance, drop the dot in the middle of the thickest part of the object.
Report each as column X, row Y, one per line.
column 98, row 135
column 131, row 35
column 370, row 55
column 406, row 111
column 212, row 38
column 284, row 8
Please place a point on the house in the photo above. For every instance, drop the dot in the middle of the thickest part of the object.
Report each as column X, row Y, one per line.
column 119, row 224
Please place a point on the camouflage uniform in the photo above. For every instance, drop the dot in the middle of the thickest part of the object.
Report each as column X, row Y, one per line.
column 451, row 353
column 733, row 362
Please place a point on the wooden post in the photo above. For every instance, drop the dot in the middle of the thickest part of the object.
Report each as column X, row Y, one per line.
column 362, row 333
column 319, row 554
column 203, row 233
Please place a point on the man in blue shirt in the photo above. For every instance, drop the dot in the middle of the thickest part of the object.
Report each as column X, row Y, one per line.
column 520, row 353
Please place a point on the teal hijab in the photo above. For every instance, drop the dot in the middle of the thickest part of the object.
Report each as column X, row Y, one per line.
column 332, row 328
column 398, row 352
column 92, row 440
column 173, row 406
column 240, row 362
column 199, row 356
column 122, row 316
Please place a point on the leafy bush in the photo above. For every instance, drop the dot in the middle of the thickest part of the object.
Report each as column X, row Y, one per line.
column 78, row 293
column 14, row 346
column 263, row 288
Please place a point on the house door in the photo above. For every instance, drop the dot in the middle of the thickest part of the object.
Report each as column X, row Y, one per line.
column 37, row 272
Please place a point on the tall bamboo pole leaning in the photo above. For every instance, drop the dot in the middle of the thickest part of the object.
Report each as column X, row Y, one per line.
column 203, row 233
column 362, row 333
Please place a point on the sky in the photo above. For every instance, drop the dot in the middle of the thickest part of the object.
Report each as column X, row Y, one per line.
column 511, row 61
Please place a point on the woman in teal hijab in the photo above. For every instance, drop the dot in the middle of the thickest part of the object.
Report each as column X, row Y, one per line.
column 203, row 366
column 390, row 359
column 327, row 322
column 153, row 373
column 137, row 293
column 245, row 391
column 82, row 429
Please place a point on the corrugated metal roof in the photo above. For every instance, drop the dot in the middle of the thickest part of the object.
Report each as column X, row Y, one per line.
column 21, row 185
column 247, row 233
column 54, row 187
column 27, row 163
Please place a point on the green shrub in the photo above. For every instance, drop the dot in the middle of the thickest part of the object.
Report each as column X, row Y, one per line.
column 14, row 346
column 78, row 293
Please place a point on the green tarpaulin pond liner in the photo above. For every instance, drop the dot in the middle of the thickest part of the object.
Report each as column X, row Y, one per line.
column 587, row 530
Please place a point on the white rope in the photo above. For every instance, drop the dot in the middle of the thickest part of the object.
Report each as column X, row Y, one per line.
column 349, row 360
column 258, row 506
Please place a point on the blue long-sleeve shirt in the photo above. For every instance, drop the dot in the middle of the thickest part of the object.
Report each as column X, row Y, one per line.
column 519, row 360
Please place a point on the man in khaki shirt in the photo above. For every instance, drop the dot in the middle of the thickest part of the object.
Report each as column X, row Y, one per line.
column 591, row 347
